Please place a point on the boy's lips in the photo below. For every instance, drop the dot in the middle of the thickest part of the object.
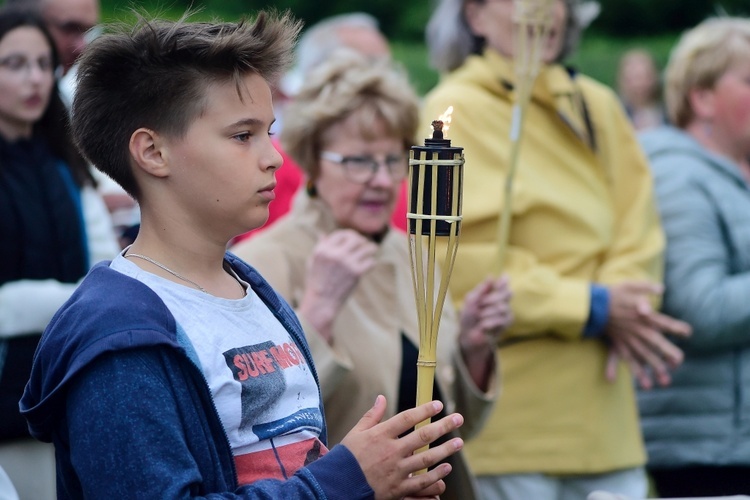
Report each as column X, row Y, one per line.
column 267, row 192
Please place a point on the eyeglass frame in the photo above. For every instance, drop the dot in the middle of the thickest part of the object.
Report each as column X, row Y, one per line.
column 374, row 164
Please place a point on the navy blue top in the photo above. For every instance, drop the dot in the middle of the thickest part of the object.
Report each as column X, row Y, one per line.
column 130, row 413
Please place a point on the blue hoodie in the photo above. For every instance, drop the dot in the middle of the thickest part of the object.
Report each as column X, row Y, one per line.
column 115, row 341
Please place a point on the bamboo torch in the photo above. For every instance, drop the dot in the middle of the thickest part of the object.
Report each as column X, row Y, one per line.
column 532, row 20
column 435, row 190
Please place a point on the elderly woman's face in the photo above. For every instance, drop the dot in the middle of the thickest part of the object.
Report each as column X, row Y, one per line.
column 356, row 202
column 493, row 21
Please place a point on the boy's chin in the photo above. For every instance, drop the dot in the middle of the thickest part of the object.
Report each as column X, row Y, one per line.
column 253, row 223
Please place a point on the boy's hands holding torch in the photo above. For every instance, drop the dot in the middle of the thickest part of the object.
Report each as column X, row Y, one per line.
column 389, row 462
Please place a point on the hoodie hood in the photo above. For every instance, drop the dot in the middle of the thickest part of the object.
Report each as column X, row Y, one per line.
column 134, row 317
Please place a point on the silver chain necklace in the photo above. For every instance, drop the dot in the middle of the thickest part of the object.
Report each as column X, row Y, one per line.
column 173, row 273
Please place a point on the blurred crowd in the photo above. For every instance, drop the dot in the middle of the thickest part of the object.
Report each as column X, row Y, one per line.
column 608, row 351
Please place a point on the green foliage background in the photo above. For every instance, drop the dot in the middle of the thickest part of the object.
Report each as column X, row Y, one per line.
column 623, row 24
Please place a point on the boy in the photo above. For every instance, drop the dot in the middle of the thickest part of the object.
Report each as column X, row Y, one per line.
column 175, row 370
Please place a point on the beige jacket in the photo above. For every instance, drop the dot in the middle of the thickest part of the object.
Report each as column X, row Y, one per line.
column 365, row 358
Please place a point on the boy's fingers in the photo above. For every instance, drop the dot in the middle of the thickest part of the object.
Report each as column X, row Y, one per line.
column 433, row 491
column 426, row 482
column 373, row 416
column 429, row 433
column 406, row 420
column 427, row 458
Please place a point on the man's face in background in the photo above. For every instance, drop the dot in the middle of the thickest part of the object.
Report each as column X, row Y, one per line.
column 68, row 22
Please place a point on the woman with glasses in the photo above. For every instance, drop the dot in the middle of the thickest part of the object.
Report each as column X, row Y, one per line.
column 53, row 225
column 348, row 276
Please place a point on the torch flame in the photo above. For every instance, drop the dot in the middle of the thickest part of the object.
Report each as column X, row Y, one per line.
column 444, row 121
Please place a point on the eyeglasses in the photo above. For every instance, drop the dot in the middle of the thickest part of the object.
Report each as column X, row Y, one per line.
column 362, row 169
column 20, row 65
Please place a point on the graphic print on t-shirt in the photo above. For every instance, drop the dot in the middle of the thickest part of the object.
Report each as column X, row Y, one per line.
column 259, row 370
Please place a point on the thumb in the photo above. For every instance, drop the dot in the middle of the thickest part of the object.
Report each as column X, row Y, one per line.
column 373, row 416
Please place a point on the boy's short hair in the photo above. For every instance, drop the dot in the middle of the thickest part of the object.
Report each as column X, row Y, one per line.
column 155, row 75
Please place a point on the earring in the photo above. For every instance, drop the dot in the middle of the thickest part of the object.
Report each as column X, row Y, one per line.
column 312, row 191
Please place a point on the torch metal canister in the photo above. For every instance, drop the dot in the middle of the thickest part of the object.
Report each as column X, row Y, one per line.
column 435, row 193
column 437, row 170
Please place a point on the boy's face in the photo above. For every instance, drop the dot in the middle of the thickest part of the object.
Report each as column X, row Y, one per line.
column 222, row 170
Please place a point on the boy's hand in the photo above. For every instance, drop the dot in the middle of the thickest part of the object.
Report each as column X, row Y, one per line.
column 388, row 461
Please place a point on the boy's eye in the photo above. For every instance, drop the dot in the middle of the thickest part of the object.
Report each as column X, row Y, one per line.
column 243, row 137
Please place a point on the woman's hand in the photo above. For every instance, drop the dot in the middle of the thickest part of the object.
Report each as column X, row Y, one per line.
column 638, row 333
column 333, row 270
column 485, row 316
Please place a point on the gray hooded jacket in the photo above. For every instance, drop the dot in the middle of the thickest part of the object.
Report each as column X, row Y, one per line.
column 703, row 418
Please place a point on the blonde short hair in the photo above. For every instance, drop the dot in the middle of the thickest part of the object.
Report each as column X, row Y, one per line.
column 700, row 58
column 348, row 83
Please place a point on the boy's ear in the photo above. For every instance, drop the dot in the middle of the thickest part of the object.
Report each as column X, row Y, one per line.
column 146, row 148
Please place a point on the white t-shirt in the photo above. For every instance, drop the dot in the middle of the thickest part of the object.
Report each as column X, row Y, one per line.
column 262, row 387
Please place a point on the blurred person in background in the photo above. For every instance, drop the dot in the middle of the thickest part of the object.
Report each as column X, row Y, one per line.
column 639, row 89
column 357, row 31
column 53, row 227
column 347, row 273
column 73, row 24
column 584, row 257
column 697, row 430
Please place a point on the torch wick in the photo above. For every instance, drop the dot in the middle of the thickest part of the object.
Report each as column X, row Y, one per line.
column 437, row 129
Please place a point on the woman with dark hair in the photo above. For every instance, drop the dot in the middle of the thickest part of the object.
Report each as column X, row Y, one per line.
column 584, row 256
column 53, row 225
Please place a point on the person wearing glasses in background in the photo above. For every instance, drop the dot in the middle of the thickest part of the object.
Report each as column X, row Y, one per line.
column 347, row 274
column 73, row 24
column 53, row 228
